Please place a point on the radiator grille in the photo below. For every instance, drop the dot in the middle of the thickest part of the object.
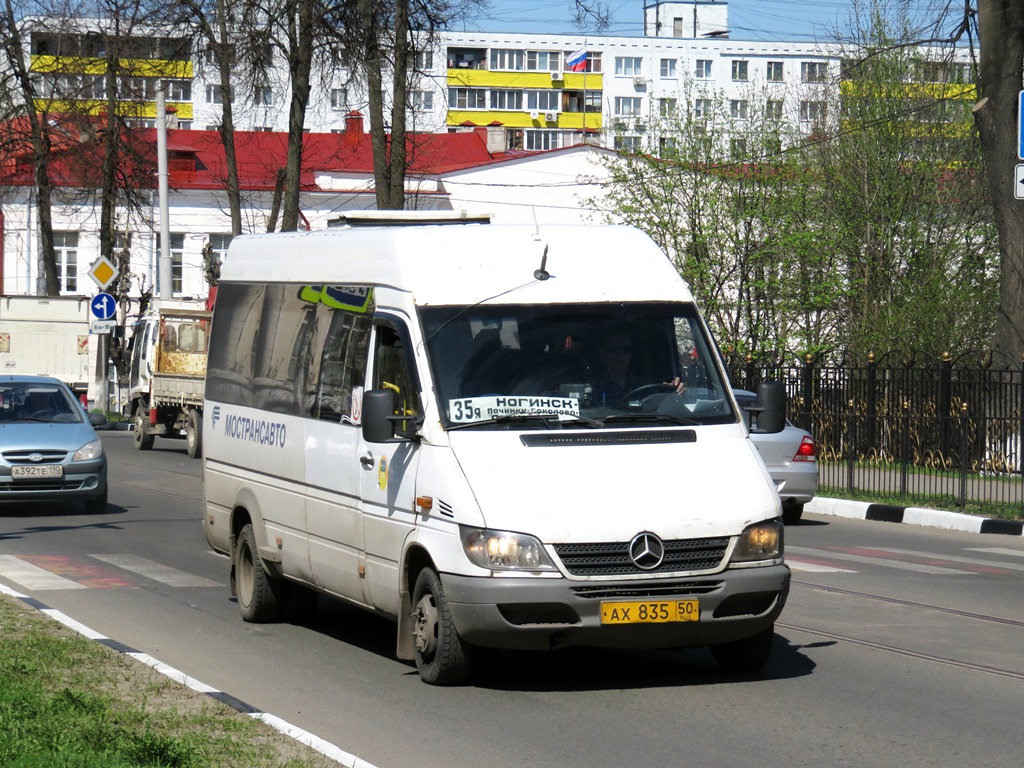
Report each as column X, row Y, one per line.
column 612, row 558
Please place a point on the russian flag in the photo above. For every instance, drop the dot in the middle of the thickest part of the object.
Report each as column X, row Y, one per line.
column 577, row 62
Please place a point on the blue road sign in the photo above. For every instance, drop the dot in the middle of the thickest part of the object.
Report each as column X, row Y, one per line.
column 103, row 306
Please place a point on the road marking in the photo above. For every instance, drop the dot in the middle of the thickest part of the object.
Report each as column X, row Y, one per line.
column 32, row 576
column 955, row 559
column 898, row 564
column 172, row 577
column 811, row 567
column 998, row 551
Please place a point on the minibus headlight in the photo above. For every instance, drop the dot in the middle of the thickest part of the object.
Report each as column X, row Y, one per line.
column 762, row 541
column 89, row 451
column 505, row 550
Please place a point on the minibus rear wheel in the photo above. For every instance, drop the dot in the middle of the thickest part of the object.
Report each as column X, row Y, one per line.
column 442, row 657
column 260, row 596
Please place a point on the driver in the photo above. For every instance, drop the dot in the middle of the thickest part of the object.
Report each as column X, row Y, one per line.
column 615, row 377
column 36, row 402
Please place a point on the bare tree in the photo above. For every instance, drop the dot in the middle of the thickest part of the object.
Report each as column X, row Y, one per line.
column 1000, row 27
column 37, row 137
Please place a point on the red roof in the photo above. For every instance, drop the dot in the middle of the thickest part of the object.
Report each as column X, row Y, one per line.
column 196, row 158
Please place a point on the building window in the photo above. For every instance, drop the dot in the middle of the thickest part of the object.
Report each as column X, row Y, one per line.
column 505, row 99
column 177, row 250
column 543, row 139
column 813, row 71
column 668, row 68
column 775, row 71
column 543, row 61
column 546, row 101
column 666, row 107
column 65, row 246
column 738, row 148
column 812, row 111
column 215, row 94
column 740, row 70
column 738, row 109
column 508, row 59
column 703, row 69
column 178, row 90
column 627, row 143
column 667, row 146
column 627, row 105
column 677, row 27
column 264, row 96
column 263, row 129
column 702, row 107
column 628, row 65
column 467, row 98
column 423, row 61
column 773, row 110
column 339, row 98
column 422, row 101
column 218, row 245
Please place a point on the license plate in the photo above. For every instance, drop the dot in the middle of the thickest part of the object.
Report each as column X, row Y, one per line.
column 38, row 470
column 649, row 612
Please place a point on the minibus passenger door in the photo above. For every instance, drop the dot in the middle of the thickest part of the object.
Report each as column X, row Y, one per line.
column 388, row 465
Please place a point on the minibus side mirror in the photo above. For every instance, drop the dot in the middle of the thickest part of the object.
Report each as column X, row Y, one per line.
column 770, row 412
column 379, row 418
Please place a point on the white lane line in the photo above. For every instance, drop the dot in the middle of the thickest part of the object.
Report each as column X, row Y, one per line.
column 954, row 558
column 32, row 576
column 800, row 565
column 997, row 551
column 898, row 564
column 172, row 577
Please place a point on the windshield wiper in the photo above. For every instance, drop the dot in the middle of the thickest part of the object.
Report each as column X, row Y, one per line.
column 549, row 420
column 649, row 418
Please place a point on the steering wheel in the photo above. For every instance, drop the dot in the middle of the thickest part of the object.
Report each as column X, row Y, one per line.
column 646, row 390
column 43, row 415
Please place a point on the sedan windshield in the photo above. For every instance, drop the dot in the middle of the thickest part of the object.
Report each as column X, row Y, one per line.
column 579, row 365
column 37, row 402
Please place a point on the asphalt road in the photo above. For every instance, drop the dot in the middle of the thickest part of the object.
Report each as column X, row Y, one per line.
column 899, row 646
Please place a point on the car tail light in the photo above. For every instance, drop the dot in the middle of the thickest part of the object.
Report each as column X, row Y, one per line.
column 806, row 450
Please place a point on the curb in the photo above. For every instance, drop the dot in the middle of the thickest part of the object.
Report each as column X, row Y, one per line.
column 294, row 732
column 933, row 518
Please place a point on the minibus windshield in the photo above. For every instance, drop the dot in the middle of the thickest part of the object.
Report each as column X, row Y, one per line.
column 530, row 366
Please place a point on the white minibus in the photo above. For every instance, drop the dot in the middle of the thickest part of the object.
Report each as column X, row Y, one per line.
column 500, row 436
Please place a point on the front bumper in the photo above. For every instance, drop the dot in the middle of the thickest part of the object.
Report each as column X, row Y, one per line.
column 540, row 614
column 81, row 480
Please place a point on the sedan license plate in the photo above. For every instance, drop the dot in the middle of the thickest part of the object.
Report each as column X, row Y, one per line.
column 649, row 611
column 33, row 471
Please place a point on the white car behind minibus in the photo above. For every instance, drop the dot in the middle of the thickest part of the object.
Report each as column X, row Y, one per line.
column 413, row 413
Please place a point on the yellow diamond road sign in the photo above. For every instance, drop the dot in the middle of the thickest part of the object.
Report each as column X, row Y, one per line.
column 102, row 272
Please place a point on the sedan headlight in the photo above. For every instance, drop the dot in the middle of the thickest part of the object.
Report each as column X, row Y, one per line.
column 89, row 452
column 504, row 550
column 762, row 541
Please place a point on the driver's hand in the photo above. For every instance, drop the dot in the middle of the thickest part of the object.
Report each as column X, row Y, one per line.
column 678, row 383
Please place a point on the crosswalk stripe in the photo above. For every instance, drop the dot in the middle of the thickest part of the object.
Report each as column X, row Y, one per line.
column 956, row 559
column 32, row 576
column 997, row 551
column 898, row 564
column 803, row 565
column 165, row 574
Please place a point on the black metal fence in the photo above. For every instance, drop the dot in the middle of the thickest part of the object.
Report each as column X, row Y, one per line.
column 943, row 432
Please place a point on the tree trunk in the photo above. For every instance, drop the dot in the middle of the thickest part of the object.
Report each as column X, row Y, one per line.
column 397, row 162
column 1000, row 78
column 300, row 61
column 227, row 125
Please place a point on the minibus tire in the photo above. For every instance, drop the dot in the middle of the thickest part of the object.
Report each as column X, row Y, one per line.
column 442, row 657
column 143, row 441
column 747, row 655
column 260, row 596
column 194, row 434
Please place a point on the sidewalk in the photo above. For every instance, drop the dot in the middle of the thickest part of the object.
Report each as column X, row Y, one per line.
column 934, row 518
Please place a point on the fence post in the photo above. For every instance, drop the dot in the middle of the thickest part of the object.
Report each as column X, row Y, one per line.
column 750, row 373
column 905, row 458
column 808, row 392
column 963, row 455
column 945, row 404
column 850, row 449
column 872, row 399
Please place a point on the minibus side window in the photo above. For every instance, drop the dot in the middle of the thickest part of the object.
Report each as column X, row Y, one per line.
column 391, row 371
column 342, row 366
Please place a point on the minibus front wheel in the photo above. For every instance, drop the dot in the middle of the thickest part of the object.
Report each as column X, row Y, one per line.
column 442, row 656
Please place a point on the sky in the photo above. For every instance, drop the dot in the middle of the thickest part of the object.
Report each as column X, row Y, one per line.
column 761, row 20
